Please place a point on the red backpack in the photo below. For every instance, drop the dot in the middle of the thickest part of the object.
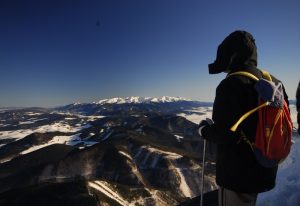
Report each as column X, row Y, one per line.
column 273, row 138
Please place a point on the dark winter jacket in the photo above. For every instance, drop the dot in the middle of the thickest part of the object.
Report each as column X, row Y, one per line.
column 237, row 168
column 298, row 106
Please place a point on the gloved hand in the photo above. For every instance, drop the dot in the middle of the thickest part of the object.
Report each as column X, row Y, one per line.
column 203, row 124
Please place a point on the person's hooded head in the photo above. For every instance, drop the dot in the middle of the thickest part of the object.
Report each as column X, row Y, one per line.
column 236, row 52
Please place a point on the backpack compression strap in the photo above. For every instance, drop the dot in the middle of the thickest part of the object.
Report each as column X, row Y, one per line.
column 266, row 76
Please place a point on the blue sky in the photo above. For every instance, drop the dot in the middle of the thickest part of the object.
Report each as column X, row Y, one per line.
column 55, row 52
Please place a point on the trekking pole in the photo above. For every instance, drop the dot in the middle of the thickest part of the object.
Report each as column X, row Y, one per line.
column 203, row 171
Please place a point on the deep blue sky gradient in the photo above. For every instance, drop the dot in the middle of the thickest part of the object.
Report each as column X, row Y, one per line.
column 55, row 52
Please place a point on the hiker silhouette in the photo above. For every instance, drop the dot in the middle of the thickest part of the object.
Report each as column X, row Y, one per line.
column 238, row 173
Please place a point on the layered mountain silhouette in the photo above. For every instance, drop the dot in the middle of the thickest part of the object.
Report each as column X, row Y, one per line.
column 132, row 151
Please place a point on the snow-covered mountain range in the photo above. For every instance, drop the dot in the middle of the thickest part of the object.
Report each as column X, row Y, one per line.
column 119, row 151
column 118, row 105
column 137, row 100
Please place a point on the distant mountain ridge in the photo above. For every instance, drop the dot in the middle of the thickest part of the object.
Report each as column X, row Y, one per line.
column 137, row 100
column 150, row 100
column 133, row 104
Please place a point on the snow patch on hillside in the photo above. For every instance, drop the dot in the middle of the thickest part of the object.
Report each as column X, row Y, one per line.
column 16, row 134
column 104, row 188
column 184, row 187
column 33, row 113
column 56, row 127
column 55, row 140
column 71, row 140
column 169, row 155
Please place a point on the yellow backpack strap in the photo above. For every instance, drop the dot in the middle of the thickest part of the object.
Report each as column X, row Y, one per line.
column 266, row 76
column 242, row 118
column 242, row 73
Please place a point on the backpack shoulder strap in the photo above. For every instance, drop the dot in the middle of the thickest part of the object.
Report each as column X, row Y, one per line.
column 242, row 73
column 266, row 76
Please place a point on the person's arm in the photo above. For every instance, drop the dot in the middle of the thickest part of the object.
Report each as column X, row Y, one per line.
column 226, row 111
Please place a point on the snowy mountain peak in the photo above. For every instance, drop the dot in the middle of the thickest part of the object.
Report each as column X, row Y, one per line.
column 137, row 100
column 76, row 103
